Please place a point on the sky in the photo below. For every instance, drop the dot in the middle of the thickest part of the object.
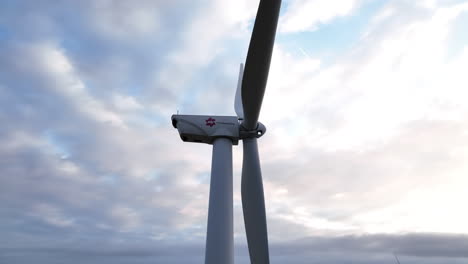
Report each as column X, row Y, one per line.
column 364, row 156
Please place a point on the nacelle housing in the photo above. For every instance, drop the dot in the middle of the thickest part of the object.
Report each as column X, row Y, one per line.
column 205, row 129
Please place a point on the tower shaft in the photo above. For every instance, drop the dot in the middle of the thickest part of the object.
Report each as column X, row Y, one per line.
column 219, row 236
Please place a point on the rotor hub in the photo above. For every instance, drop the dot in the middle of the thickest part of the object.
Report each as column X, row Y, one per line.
column 255, row 133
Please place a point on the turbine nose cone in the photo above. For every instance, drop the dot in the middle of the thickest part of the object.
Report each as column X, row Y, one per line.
column 261, row 129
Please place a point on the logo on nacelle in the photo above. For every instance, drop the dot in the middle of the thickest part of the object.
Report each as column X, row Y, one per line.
column 210, row 122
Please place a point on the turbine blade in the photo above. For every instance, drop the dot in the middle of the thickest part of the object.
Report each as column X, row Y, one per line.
column 238, row 99
column 253, row 204
column 396, row 258
column 257, row 64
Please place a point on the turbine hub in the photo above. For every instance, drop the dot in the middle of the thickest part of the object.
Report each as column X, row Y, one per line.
column 255, row 133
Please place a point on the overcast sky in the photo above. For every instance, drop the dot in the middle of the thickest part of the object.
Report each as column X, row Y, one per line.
column 365, row 155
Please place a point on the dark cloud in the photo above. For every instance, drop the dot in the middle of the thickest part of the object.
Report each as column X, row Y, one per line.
column 377, row 248
column 413, row 244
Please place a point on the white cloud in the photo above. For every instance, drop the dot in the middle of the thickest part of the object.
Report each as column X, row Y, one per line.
column 354, row 128
column 124, row 20
column 126, row 103
column 52, row 65
column 307, row 15
column 126, row 218
column 203, row 39
column 391, row 77
column 52, row 215
column 218, row 21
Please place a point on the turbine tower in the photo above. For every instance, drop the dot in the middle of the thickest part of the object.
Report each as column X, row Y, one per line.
column 223, row 132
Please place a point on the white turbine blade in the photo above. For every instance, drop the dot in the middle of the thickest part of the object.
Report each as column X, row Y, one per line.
column 257, row 63
column 253, row 204
column 238, row 99
column 396, row 258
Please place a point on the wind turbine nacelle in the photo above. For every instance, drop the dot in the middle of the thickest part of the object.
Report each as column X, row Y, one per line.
column 205, row 129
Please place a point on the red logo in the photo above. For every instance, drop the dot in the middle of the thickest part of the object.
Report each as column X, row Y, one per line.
column 210, row 122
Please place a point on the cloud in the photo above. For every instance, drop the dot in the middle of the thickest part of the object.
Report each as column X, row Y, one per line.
column 78, row 149
column 411, row 248
column 392, row 187
column 393, row 65
column 52, row 215
column 125, row 20
column 383, row 123
column 307, row 15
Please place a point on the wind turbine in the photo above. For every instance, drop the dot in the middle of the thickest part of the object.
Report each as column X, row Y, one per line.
column 223, row 132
